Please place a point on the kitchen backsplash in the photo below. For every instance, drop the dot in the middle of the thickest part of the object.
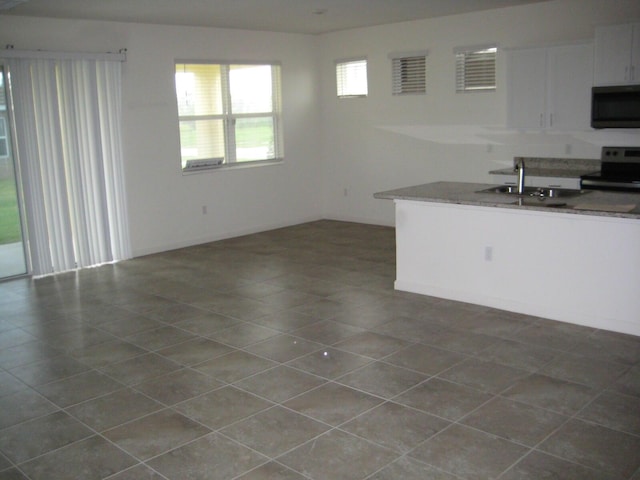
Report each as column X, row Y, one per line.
column 587, row 164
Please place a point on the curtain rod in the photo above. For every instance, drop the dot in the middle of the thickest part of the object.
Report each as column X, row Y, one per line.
column 9, row 52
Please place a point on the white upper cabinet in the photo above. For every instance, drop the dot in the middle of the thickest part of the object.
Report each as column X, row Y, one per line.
column 617, row 54
column 550, row 88
column 570, row 77
column 526, row 88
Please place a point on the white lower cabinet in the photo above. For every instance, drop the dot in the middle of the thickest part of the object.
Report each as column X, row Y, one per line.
column 572, row 183
column 574, row 268
column 555, row 182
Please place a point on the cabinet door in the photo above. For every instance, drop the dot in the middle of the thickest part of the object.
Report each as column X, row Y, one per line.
column 554, row 182
column 570, row 77
column 526, row 88
column 613, row 54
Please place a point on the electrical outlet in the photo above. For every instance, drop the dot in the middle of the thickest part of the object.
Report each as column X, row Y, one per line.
column 204, row 209
column 346, row 192
column 488, row 254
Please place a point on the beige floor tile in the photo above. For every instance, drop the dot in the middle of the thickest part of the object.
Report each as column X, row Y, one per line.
column 294, row 347
column 338, row 454
column 212, row 457
column 155, row 434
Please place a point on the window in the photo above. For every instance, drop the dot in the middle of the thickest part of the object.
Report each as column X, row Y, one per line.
column 229, row 114
column 475, row 68
column 4, row 141
column 409, row 73
column 351, row 78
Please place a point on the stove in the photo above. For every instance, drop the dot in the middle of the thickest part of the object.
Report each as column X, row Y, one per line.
column 620, row 170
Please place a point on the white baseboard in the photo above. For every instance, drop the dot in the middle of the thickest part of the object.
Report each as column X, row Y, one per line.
column 219, row 236
column 567, row 314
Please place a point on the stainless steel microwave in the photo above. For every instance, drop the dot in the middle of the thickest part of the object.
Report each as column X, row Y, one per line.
column 615, row 107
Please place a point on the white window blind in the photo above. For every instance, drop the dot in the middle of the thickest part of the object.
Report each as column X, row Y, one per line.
column 228, row 114
column 475, row 68
column 409, row 73
column 351, row 78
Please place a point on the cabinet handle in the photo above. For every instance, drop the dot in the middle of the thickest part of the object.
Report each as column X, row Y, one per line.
column 551, row 119
column 542, row 119
column 626, row 73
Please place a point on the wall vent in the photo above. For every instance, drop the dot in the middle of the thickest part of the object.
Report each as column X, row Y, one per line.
column 193, row 165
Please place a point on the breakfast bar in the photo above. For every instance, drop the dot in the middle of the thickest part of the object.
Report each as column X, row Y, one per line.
column 572, row 257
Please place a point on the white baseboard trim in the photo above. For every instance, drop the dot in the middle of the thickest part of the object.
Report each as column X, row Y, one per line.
column 220, row 236
column 567, row 315
column 366, row 221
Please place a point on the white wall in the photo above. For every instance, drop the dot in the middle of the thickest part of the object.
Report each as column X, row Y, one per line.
column 383, row 142
column 165, row 207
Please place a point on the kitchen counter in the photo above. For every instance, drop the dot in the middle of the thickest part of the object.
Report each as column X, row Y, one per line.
column 593, row 202
column 563, row 263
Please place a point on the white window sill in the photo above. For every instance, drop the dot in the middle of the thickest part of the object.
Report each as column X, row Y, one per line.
column 234, row 166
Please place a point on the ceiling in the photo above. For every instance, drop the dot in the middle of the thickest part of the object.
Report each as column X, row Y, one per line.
column 294, row 16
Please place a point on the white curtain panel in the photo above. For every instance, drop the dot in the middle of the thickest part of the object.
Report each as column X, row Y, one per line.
column 67, row 115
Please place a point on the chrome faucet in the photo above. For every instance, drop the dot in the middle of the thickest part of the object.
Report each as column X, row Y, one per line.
column 520, row 168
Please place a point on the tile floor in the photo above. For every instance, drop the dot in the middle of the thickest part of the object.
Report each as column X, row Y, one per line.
column 287, row 355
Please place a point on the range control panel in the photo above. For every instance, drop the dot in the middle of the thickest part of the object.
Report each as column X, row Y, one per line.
column 621, row 154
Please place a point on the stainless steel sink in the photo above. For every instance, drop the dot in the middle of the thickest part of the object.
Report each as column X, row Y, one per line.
column 535, row 192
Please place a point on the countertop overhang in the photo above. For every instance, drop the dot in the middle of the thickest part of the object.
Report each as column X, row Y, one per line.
column 594, row 202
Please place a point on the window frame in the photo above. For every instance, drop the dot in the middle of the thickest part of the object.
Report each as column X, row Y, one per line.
column 342, row 78
column 230, row 118
column 461, row 68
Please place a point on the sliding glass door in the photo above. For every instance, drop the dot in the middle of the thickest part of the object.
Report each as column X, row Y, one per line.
column 12, row 253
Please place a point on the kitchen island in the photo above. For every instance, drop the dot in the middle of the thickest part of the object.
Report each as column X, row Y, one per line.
column 574, row 259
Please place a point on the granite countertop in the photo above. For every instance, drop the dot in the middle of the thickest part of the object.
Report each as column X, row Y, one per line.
column 592, row 202
column 553, row 167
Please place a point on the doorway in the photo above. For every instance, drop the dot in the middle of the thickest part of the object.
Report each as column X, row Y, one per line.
column 12, row 253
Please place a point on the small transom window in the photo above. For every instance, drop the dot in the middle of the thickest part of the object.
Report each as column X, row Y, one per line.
column 409, row 73
column 475, row 68
column 351, row 78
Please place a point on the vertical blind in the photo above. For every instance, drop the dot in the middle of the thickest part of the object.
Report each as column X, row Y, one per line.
column 475, row 68
column 67, row 115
